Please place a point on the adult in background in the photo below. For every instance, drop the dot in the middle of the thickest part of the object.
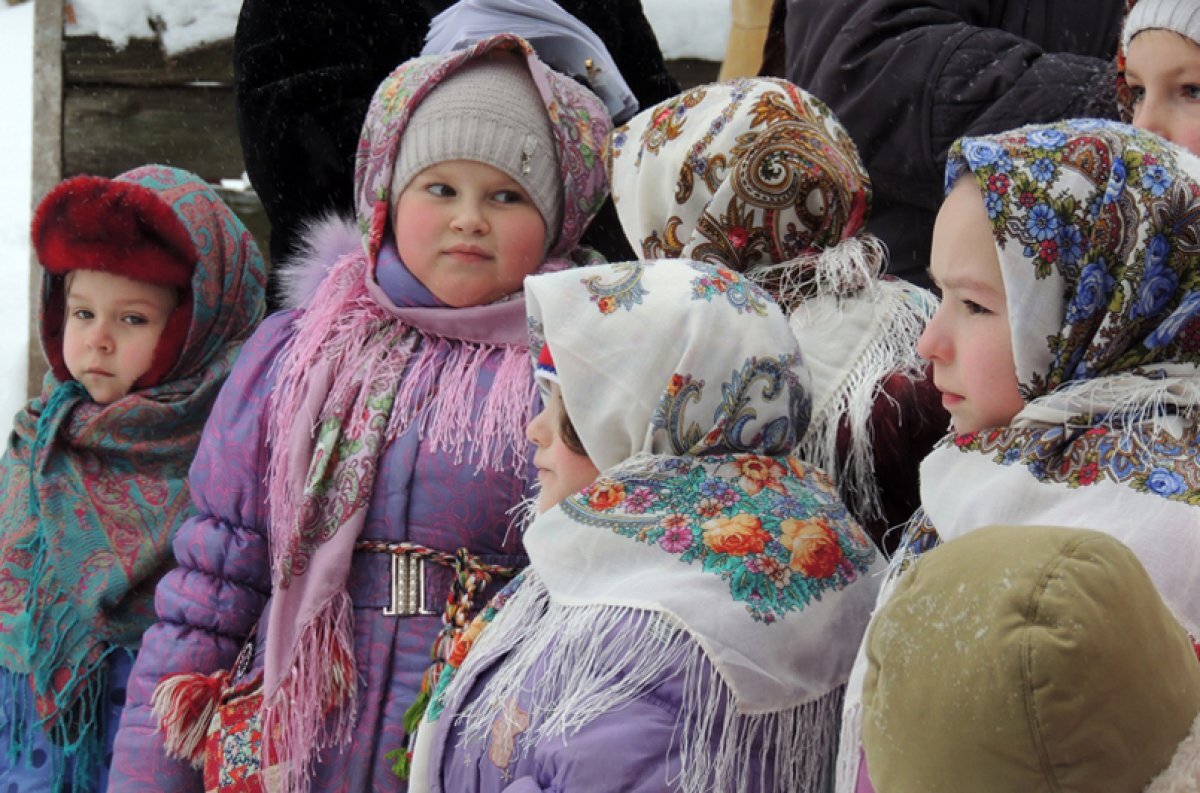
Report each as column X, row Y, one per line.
column 304, row 73
column 907, row 78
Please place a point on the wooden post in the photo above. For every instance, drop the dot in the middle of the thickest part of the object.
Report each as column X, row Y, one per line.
column 47, row 150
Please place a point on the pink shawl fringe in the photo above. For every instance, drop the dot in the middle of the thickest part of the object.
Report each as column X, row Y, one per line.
column 348, row 354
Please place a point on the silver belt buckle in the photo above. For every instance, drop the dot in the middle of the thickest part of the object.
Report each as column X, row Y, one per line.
column 408, row 587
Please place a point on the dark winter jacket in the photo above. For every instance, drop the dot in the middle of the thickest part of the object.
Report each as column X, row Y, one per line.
column 907, row 78
column 305, row 71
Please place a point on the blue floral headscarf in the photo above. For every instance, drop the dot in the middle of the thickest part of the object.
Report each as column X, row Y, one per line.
column 1096, row 227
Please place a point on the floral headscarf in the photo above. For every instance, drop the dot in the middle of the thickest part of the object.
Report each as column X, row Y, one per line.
column 1095, row 227
column 759, row 177
column 699, row 520
column 91, row 495
column 350, row 381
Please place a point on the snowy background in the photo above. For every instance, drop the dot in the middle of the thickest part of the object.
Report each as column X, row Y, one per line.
column 685, row 29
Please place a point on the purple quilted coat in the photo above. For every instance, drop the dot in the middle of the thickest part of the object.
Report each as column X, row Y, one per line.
column 219, row 593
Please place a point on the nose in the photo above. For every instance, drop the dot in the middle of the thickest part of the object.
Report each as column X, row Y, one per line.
column 934, row 342
column 1153, row 114
column 469, row 218
column 99, row 337
column 535, row 430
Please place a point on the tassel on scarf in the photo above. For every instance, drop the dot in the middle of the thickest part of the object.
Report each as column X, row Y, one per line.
column 314, row 705
column 184, row 706
column 595, row 659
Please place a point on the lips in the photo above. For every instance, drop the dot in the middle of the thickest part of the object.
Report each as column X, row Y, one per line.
column 98, row 372
column 468, row 253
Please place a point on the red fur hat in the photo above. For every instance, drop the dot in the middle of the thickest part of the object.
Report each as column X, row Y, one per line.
column 121, row 228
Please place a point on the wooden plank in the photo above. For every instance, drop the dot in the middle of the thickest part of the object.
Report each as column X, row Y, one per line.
column 47, row 151
column 91, row 60
column 108, row 130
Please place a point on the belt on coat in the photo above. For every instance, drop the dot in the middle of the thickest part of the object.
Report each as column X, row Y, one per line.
column 417, row 573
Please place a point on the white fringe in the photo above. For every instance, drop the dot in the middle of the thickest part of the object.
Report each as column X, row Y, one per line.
column 850, row 749
column 596, row 659
column 852, row 265
column 903, row 311
column 1126, row 400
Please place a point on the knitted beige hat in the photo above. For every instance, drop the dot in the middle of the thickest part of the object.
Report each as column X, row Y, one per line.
column 488, row 111
column 1028, row 659
column 1179, row 16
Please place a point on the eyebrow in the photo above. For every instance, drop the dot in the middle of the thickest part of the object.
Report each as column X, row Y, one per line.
column 137, row 301
column 960, row 283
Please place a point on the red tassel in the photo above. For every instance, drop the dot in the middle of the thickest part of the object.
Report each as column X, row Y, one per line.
column 184, row 705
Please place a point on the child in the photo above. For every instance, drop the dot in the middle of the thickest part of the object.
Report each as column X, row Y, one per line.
column 151, row 285
column 1158, row 69
column 757, row 176
column 689, row 614
column 358, row 471
column 1066, row 349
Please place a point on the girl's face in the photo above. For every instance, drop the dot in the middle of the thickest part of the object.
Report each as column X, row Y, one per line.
column 969, row 341
column 561, row 471
column 468, row 232
column 111, row 331
column 1163, row 72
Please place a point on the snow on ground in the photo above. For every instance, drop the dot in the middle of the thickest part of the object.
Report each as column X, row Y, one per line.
column 685, row 29
column 16, row 142
column 183, row 25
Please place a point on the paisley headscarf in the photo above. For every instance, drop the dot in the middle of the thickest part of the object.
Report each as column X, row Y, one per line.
column 687, row 390
column 341, row 399
column 91, row 495
column 1095, row 225
column 759, row 177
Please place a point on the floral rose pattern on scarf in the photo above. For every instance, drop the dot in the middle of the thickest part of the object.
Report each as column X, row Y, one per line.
column 739, row 517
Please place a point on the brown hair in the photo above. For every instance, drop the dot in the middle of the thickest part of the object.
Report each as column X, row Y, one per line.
column 570, row 437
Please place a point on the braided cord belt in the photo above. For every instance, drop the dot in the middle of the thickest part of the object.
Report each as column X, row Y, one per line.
column 471, row 575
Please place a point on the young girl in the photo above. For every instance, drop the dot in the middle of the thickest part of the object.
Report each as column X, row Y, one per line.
column 694, row 595
column 151, row 285
column 757, row 176
column 1066, row 349
column 1158, row 69
column 359, row 468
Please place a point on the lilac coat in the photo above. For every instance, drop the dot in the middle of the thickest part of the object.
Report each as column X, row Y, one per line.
column 219, row 592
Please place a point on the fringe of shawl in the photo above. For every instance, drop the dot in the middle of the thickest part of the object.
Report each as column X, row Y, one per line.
column 902, row 312
column 595, row 659
column 78, row 732
column 315, row 706
column 371, row 352
column 348, row 352
column 849, row 756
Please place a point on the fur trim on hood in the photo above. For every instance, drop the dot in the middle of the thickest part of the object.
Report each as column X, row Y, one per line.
column 325, row 239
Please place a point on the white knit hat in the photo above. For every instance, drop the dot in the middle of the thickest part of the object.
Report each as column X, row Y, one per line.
column 1178, row 16
column 488, row 111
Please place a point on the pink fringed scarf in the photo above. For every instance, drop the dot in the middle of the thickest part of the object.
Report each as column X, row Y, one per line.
column 357, row 373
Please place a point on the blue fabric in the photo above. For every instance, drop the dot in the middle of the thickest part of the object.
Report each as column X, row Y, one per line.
column 29, row 770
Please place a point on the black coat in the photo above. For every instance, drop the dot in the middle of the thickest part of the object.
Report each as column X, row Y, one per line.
column 305, row 71
column 908, row 77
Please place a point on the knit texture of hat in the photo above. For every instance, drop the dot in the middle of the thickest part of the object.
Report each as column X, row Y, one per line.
column 491, row 112
column 1179, row 16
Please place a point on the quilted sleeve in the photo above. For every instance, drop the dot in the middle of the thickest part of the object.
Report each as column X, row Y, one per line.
column 208, row 604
